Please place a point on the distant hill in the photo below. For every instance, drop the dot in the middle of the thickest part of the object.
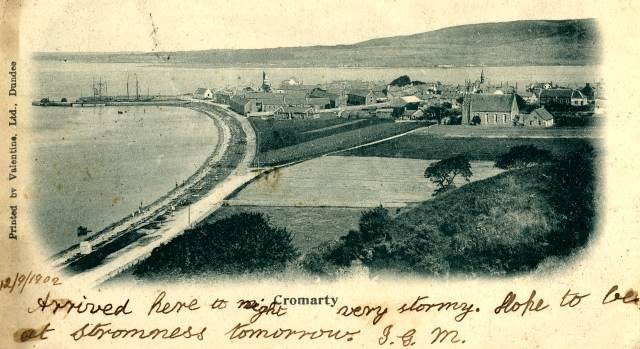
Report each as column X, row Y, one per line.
column 535, row 42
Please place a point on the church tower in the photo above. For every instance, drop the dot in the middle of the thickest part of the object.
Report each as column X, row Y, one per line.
column 266, row 85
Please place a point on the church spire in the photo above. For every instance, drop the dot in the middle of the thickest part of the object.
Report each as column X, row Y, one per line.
column 482, row 76
column 266, row 85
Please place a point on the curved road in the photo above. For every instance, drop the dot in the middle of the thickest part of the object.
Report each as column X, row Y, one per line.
column 183, row 217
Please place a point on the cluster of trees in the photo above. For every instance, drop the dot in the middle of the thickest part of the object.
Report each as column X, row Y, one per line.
column 401, row 81
column 241, row 243
column 523, row 156
column 575, row 119
column 443, row 111
column 370, row 243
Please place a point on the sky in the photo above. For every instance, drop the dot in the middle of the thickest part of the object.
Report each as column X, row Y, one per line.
column 144, row 25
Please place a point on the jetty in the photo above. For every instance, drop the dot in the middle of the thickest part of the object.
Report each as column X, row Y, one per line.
column 101, row 98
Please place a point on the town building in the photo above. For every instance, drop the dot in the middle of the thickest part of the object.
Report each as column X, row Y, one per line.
column 336, row 99
column 293, row 93
column 223, row 96
column 266, row 84
column 289, row 112
column 318, row 103
column 452, row 97
column 361, row 97
column 270, row 103
column 537, row 118
column 529, row 97
column 540, row 86
column 203, row 93
column 562, row 96
column 489, row 109
column 384, row 113
column 241, row 105
column 285, row 88
column 589, row 92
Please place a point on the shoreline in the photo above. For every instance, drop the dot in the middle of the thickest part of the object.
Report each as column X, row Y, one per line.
column 256, row 66
column 127, row 249
column 155, row 208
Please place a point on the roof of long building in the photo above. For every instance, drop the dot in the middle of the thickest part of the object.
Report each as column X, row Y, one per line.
column 262, row 95
column 490, row 102
column 561, row 93
column 542, row 113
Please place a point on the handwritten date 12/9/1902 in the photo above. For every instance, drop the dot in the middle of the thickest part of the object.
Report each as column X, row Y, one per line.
column 21, row 280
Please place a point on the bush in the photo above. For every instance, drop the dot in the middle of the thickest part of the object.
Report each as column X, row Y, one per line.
column 317, row 261
column 244, row 242
column 523, row 156
column 373, row 223
column 365, row 244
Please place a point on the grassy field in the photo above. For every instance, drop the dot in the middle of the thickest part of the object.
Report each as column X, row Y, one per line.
column 275, row 134
column 510, row 132
column 308, row 226
column 427, row 146
column 333, row 141
column 349, row 182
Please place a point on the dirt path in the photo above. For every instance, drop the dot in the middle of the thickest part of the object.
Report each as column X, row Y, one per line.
column 376, row 142
column 334, row 126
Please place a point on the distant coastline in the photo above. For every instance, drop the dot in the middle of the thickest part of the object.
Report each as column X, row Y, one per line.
column 507, row 44
column 261, row 67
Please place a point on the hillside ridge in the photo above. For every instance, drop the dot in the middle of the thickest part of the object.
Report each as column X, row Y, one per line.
column 515, row 43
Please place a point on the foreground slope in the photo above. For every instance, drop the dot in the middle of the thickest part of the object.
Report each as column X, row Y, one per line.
column 506, row 224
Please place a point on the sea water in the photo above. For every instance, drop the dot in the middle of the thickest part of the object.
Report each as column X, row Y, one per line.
column 93, row 166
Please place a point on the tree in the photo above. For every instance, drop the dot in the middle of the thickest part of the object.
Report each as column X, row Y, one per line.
column 444, row 172
column 401, row 81
column 523, row 156
column 373, row 223
column 361, row 244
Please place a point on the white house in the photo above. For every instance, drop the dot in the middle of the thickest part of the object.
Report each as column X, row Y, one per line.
column 203, row 93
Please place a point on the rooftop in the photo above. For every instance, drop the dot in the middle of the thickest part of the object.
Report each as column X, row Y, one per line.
column 490, row 102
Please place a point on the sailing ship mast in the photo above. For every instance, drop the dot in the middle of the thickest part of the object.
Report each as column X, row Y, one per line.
column 137, row 88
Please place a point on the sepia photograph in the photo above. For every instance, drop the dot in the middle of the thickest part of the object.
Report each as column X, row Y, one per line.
column 379, row 158
column 469, row 149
